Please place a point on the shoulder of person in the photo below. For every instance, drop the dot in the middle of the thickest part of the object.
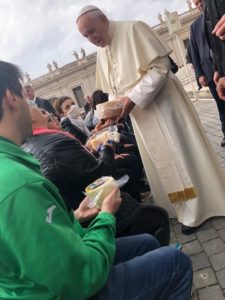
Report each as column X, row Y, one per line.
column 38, row 99
column 139, row 26
column 196, row 22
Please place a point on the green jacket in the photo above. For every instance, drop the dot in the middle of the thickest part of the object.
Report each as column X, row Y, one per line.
column 44, row 252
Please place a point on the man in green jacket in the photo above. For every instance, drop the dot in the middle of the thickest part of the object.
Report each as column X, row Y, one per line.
column 45, row 253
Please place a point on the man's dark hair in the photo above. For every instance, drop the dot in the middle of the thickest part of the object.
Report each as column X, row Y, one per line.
column 10, row 76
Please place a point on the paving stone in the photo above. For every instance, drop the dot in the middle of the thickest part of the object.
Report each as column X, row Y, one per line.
column 207, row 224
column 185, row 238
column 204, row 277
column 214, row 246
column 222, row 233
column 218, row 261
column 200, row 261
column 172, row 237
column 221, row 277
column 177, row 228
column 218, row 223
column 194, row 296
column 207, row 234
column 213, row 292
column 192, row 247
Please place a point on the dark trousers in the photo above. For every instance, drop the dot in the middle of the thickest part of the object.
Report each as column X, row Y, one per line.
column 220, row 105
column 153, row 220
column 130, row 165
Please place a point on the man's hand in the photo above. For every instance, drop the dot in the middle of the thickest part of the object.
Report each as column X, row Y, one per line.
column 101, row 125
column 219, row 29
column 112, row 202
column 122, row 155
column 221, row 88
column 216, row 77
column 203, row 80
column 85, row 213
column 128, row 105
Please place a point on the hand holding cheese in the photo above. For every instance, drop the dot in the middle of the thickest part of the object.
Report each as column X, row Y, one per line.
column 103, row 136
column 110, row 109
column 84, row 213
column 99, row 190
column 112, row 202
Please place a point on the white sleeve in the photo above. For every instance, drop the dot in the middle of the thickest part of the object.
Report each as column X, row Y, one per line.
column 149, row 86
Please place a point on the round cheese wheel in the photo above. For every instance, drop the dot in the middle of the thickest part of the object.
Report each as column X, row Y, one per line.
column 99, row 189
column 110, row 109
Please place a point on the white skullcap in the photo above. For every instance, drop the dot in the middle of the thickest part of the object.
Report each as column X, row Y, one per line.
column 86, row 9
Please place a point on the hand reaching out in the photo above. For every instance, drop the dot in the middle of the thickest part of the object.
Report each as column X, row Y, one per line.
column 221, row 88
column 219, row 29
column 128, row 105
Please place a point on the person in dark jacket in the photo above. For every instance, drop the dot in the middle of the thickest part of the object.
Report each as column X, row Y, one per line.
column 202, row 61
column 69, row 165
column 36, row 101
column 214, row 12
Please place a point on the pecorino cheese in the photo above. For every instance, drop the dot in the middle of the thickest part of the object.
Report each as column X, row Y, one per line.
column 110, row 109
column 99, row 189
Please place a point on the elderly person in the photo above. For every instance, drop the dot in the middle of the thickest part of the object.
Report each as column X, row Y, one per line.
column 132, row 63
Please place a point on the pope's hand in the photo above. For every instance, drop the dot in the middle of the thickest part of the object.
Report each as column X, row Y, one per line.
column 128, row 105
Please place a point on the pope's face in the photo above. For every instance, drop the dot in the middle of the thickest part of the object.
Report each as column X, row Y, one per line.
column 96, row 30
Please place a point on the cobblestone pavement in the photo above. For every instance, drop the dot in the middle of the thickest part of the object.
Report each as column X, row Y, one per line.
column 206, row 246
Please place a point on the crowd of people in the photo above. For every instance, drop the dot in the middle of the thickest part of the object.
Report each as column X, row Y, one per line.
column 54, row 245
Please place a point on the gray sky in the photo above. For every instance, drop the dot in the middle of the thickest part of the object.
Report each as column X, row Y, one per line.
column 34, row 32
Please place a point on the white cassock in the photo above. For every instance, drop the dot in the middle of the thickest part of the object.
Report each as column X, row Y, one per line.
column 181, row 166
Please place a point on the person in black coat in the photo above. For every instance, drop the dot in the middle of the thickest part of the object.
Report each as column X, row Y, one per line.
column 36, row 101
column 202, row 61
column 66, row 163
column 214, row 13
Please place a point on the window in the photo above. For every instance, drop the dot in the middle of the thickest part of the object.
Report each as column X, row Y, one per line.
column 79, row 95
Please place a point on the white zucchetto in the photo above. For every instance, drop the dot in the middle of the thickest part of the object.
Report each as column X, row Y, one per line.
column 87, row 9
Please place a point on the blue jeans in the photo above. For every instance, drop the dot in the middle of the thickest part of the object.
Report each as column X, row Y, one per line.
column 141, row 271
